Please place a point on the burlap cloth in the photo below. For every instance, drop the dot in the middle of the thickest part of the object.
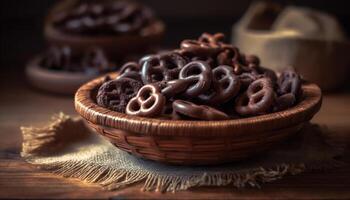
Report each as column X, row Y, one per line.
column 67, row 147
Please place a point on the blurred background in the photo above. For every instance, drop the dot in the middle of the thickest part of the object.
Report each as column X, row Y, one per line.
column 22, row 24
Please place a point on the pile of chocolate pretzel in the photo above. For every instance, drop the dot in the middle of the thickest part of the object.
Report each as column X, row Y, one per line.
column 205, row 79
column 93, row 61
column 96, row 18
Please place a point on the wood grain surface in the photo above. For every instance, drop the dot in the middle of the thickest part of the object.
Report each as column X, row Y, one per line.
column 20, row 105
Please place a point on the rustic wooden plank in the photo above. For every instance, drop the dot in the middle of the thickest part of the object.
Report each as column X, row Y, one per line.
column 20, row 180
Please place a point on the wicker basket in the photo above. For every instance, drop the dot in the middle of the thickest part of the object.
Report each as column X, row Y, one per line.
column 195, row 142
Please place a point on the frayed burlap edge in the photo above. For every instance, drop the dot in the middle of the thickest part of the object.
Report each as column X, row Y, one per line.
column 50, row 138
column 113, row 179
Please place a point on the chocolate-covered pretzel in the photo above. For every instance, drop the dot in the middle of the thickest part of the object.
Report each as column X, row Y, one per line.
column 225, row 85
column 174, row 87
column 191, row 56
column 213, row 40
column 206, row 45
column 198, row 73
column 205, row 71
column 264, row 72
column 198, row 48
column 210, row 60
column 258, row 98
column 130, row 67
column 228, row 56
column 247, row 78
column 285, row 101
column 145, row 58
column 168, row 108
column 94, row 18
column 115, row 94
column 130, row 70
column 270, row 74
column 251, row 60
column 289, row 82
column 162, row 67
column 194, row 111
column 148, row 102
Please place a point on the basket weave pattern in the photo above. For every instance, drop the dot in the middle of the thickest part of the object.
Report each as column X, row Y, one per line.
column 195, row 142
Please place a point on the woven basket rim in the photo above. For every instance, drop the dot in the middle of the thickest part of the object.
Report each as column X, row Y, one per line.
column 302, row 112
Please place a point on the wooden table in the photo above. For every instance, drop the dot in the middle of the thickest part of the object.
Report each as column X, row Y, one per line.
column 24, row 106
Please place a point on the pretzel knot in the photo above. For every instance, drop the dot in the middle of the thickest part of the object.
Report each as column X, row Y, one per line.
column 199, row 76
column 189, row 109
column 115, row 94
column 163, row 67
column 258, row 98
column 289, row 82
column 251, row 60
column 149, row 102
column 130, row 67
column 228, row 56
column 247, row 78
column 207, row 59
column 225, row 86
column 174, row 87
column 285, row 101
column 205, row 46
column 130, row 70
column 215, row 40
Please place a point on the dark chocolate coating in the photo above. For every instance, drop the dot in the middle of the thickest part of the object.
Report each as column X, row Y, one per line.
column 174, row 87
column 208, row 71
column 194, row 111
column 214, row 40
column 225, row 85
column 201, row 49
column 284, row 102
column 252, row 60
column 247, row 78
column 264, row 72
column 162, row 67
column 130, row 70
column 200, row 76
column 228, row 56
column 115, row 94
column 257, row 100
column 208, row 59
column 130, row 66
column 289, row 82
